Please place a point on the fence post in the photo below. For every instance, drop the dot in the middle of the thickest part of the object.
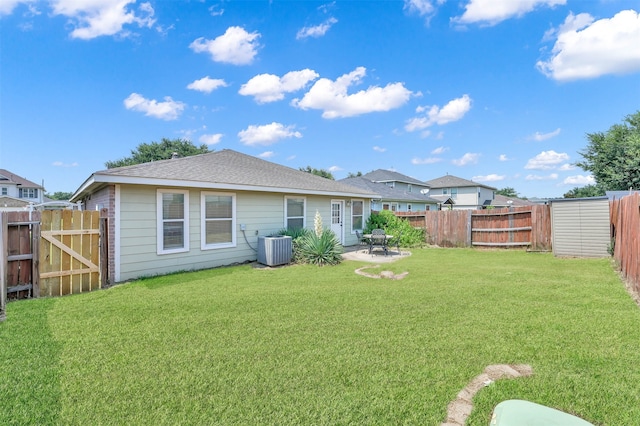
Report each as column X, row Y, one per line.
column 35, row 261
column 3, row 265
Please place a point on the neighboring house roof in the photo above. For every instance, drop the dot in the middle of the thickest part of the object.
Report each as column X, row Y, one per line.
column 7, row 177
column 386, row 192
column 449, row 181
column 225, row 169
column 502, row 201
column 616, row 195
column 443, row 199
column 381, row 175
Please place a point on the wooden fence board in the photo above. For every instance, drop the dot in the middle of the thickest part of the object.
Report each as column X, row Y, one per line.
column 625, row 222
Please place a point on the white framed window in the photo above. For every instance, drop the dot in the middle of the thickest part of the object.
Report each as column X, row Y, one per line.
column 295, row 212
column 409, row 207
column 454, row 193
column 5, row 190
column 217, row 220
column 394, row 207
column 173, row 220
column 409, row 188
column 385, row 206
column 357, row 215
column 28, row 193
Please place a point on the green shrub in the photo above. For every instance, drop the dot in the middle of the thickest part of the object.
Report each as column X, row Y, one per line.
column 318, row 250
column 393, row 225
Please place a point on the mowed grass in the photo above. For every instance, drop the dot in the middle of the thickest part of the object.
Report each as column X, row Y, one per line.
column 322, row 345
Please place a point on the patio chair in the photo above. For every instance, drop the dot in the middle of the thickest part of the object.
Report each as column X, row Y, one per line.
column 378, row 239
column 396, row 242
column 362, row 242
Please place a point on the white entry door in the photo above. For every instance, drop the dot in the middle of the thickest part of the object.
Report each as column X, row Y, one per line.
column 337, row 219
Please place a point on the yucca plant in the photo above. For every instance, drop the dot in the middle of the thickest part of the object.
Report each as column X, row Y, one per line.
column 324, row 249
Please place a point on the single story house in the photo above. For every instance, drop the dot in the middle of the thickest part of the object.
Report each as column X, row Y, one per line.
column 208, row 210
column 466, row 194
column 17, row 193
column 397, row 198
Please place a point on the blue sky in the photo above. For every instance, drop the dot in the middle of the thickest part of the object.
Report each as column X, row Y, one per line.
column 502, row 92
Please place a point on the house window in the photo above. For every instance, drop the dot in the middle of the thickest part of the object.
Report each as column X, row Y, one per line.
column 454, row 193
column 294, row 212
column 409, row 187
column 357, row 215
column 391, row 184
column 218, row 220
column 408, row 207
column 5, row 190
column 385, row 206
column 173, row 221
column 27, row 193
column 394, row 207
column 445, row 191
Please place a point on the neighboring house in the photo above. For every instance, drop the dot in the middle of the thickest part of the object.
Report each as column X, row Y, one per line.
column 16, row 193
column 208, row 210
column 394, row 197
column 501, row 202
column 466, row 194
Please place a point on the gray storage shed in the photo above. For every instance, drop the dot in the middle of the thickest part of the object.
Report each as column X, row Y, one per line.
column 580, row 227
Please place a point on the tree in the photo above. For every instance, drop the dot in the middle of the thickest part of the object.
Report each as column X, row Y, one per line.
column 585, row 192
column 64, row 196
column 318, row 172
column 508, row 192
column 613, row 157
column 154, row 151
column 357, row 174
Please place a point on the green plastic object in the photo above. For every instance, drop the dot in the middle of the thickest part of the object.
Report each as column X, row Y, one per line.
column 516, row 412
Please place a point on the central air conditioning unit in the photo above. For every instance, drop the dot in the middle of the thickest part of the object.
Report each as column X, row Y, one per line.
column 274, row 250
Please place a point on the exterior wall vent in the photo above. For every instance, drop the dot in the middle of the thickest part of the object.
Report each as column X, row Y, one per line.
column 274, row 250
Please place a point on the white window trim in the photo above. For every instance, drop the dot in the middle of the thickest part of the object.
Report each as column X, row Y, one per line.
column 203, row 221
column 353, row 230
column 185, row 227
column 304, row 210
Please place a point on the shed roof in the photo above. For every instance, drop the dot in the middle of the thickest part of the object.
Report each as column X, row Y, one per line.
column 225, row 169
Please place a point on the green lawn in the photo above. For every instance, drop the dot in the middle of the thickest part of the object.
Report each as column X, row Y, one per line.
column 322, row 345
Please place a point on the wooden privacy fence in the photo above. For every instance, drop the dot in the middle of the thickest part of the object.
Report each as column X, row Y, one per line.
column 625, row 228
column 51, row 253
column 527, row 226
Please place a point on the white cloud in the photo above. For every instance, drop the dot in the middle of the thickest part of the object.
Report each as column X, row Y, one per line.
column 567, row 167
column 267, row 134
column 206, row 84
column 318, row 30
column 586, row 48
column 167, row 110
column 488, row 178
column 546, row 160
column 267, row 154
column 503, row 157
column 440, row 150
column 579, row 180
column 452, row 111
column 270, row 88
column 379, row 149
column 61, row 164
column 428, row 160
column 552, row 176
column 7, row 6
column 211, row 139
column 422, row 7
column 333, row 169
column 331, row 96
column 468, row 158
column 539, row 137
column 216, row 10
column 236, row 46
column 96, row 18
column 492, row 12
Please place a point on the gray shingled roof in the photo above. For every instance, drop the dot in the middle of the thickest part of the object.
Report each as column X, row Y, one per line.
column 7, row 176
column 449, row 181
column 381, row 175
column 386, row 192
column 225, row 169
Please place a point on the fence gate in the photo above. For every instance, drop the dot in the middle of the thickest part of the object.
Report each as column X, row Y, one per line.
column 69, row 252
